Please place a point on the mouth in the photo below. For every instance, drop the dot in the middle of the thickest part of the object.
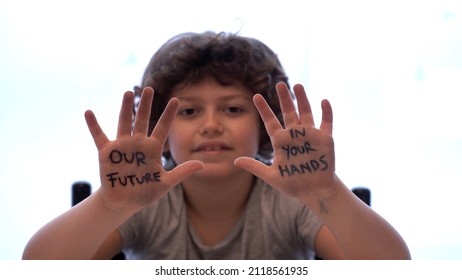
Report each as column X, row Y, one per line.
column 212, row 148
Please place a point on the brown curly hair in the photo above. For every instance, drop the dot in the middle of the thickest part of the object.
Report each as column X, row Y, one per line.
column 227, row 58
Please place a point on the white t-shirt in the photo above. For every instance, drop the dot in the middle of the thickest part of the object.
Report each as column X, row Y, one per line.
column 273, row 226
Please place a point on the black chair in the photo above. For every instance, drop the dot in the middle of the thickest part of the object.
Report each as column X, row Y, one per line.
column 363, row 193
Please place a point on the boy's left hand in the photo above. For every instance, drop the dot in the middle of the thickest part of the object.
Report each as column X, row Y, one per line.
column 304, row 161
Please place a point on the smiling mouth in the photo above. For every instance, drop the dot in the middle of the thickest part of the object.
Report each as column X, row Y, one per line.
column 212, row 148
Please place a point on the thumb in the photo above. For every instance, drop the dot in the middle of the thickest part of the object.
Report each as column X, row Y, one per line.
column 182, row 171
column 254, row 166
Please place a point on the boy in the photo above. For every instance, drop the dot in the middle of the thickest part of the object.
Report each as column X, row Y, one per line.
column 211, row 170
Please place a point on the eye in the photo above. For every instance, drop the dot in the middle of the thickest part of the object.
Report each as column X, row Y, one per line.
column 234, row 110
column 187, row 112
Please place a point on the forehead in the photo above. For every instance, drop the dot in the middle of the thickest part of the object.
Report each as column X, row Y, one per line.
column 210, row 89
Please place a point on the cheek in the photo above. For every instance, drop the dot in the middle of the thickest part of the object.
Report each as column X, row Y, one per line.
column 250, row 137
column 173, row 143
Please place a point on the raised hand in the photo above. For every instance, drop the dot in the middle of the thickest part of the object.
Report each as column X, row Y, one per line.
column 131, row 171
column 304, row 161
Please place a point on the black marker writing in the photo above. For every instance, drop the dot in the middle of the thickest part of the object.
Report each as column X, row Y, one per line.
column 294, row 133
column 133, row 179
column 117, row 156
column 309, row 166
column 323, row 207
column 137, row 158
column 296, row 150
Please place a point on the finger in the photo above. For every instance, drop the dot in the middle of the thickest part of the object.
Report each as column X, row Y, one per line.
column 327, row 117
column 253, row 166
column 270, row 120
column 95, row 129
column 143, row 113
column 165, row 121
column 182, row 171
column 126, row 115
column 304, row 107
column 287, row 105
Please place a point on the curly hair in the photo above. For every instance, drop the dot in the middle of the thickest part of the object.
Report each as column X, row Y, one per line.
column 227, row 58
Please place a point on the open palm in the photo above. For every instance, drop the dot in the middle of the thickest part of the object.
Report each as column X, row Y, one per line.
column 131, row 171
column 304, row 161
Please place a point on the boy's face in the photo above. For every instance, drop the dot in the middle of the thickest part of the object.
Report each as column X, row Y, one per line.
column 215, row 124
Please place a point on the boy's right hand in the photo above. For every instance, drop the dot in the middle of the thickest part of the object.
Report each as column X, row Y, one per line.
column 131, row 170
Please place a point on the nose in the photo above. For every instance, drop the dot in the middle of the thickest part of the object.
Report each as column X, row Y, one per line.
column 211, row 124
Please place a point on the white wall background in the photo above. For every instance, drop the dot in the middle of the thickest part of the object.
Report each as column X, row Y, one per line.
column 392, row 70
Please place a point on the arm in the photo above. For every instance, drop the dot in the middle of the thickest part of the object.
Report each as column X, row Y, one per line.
column 358, row 231
column 132, row 177
column 78, row 233
column 304, row 167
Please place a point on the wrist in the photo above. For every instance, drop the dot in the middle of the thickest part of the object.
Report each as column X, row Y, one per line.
column 323, row 194
column 116, row 208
